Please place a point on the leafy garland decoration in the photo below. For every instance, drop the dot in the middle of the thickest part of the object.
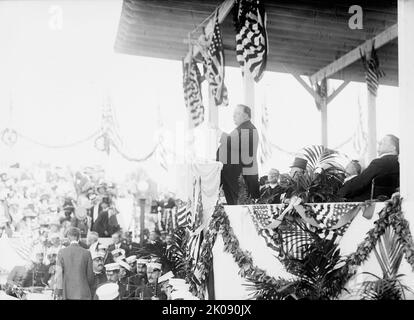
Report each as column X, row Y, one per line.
column 390, row 215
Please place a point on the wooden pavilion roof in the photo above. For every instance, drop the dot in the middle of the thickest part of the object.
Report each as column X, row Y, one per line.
column 304, row 35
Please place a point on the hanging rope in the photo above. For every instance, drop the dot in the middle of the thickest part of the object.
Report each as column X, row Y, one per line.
column 135, row 159
column 67, row 145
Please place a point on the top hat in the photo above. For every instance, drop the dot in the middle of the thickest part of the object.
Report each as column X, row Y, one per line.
column 299, row 163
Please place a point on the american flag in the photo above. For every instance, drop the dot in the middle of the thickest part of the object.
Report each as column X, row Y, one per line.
column 192, row 92
column 265, row 150
column 184, row 215
column 161, row 152
column 198, row 219
column 263, row 216
column 329, row 215
column 251, row 38
column 214, row 67
column 372, row 71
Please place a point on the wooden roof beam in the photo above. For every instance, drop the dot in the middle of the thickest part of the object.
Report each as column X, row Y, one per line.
column 354, row 55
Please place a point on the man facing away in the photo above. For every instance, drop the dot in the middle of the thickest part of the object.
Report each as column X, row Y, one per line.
column 382, row 176
column 238, row 153
column 74, row 270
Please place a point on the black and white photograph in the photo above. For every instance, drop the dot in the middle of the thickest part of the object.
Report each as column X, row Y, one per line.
column 206, row 150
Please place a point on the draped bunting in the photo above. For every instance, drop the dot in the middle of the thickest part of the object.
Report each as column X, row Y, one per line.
column 192, row 92
column 214, row 67
column 327, row 219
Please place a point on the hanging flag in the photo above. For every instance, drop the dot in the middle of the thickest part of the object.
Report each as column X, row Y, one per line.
column 251, row 37
column 192, row 92
column 360, row 139
column 372, row 70
column 184, row 215
column 198, row 219
column 265, row 149
column 214, row 67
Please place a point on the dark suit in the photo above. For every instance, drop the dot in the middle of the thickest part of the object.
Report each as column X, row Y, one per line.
column 385, row 171
column 101, row 225
column 238, row 153
column 77, row 278
column 271, row 195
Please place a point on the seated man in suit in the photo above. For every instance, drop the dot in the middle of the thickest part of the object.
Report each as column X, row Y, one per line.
column 382, row 176
column 271, row 193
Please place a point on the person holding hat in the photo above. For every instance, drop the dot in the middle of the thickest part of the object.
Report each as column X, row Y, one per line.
column 74, row 271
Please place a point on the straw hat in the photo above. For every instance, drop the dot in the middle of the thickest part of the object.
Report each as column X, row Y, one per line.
column 108, row 291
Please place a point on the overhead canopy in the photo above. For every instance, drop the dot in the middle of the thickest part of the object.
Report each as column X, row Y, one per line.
column 304, row 36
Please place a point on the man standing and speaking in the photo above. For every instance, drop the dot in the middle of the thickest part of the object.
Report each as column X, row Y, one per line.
column 238, row 153
column 74, row 270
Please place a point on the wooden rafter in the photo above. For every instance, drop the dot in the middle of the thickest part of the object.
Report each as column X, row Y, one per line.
column 354, row 55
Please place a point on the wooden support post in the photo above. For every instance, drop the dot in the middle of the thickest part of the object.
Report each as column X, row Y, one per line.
column 142, row 219
column 406, row 97
column 213, row 119
column 248, row 90
column 324, row 121
column 372, row 127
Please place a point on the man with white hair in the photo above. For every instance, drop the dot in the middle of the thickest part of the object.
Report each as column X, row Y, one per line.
column 380, row 178
column 271, row 193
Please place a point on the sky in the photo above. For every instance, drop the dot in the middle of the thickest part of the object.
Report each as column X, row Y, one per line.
column 58, row 65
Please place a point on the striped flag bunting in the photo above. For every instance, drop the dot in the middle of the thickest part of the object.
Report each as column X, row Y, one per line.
column 184, row 215
column 162, row 153
column 251, row 37
column 214, row 67
column 192, row 92
column 263, row 216
column 23, row 247
column 327, row 219
column 198, row 219
column 372, row 71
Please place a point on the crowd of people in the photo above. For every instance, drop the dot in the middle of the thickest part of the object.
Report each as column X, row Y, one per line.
column 50, row 207
column 94, row 270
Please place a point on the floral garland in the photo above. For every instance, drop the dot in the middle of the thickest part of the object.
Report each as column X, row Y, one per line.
column 391, row 215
